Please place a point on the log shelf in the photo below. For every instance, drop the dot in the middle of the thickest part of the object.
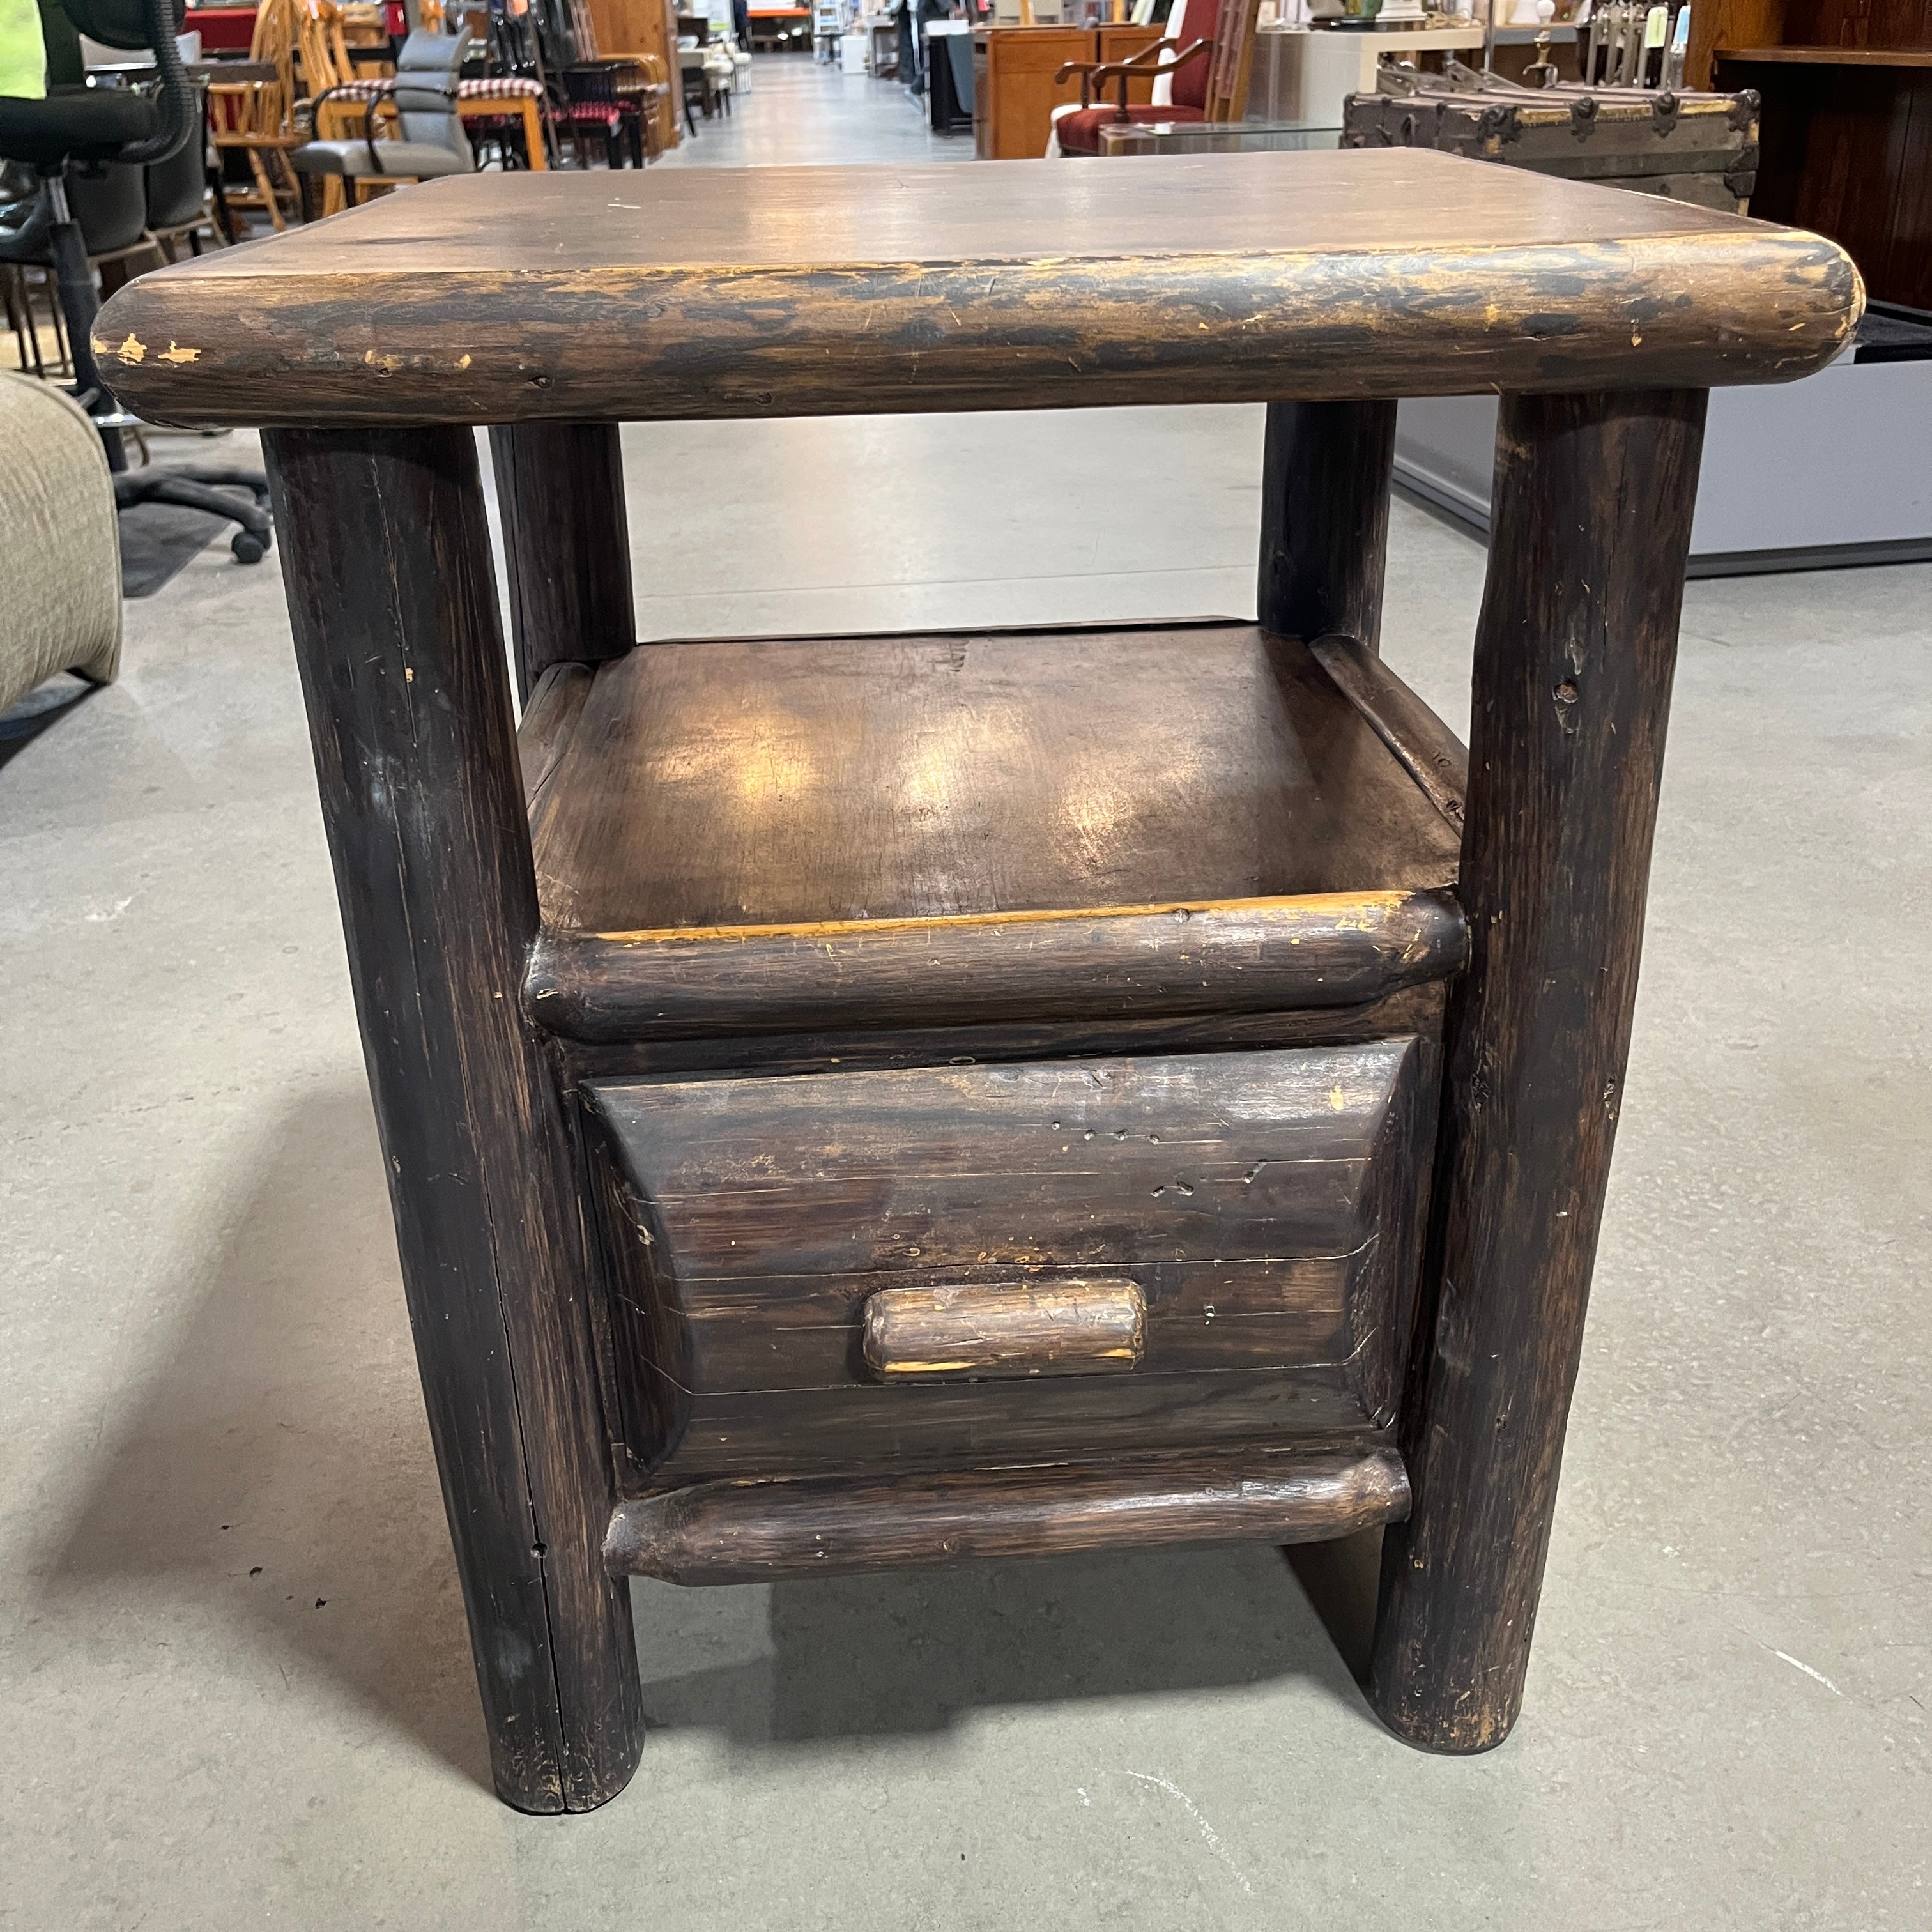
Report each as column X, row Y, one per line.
column 862, row 1101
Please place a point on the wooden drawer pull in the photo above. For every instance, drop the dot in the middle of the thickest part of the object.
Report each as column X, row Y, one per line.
column 1066, row 1327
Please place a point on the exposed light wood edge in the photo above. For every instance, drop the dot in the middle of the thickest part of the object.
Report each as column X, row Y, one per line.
column 1325, row 950
column 1425, row 747
column 549, row 718
column 1754, row 304
column 1830, row 56
column 1069, row 1326
column 748, row 1532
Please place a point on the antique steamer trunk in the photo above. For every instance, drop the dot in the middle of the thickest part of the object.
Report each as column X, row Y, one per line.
column 1697, row 148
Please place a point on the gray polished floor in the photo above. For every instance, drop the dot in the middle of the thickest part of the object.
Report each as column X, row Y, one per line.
column 804, row 113
column 234, row 1669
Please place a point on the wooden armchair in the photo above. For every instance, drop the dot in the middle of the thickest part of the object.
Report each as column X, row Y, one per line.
column 1200, row 72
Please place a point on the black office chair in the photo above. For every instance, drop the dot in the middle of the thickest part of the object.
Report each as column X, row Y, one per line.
column 96, row 127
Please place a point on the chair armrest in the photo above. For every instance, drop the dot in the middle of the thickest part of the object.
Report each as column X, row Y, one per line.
column 368, row 103
column 1145, row 63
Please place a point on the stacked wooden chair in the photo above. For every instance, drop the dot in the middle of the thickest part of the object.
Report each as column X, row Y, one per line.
column 258, row 116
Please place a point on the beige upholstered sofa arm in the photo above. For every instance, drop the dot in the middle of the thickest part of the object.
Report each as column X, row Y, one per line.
column 60, row 567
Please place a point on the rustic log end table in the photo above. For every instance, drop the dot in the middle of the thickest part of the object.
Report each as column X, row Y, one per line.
column 852, row 1102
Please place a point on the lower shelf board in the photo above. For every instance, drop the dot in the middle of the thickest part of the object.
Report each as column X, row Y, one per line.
column 749, row 1532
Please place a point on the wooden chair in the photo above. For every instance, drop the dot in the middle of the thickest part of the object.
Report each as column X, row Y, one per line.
column 592, row 106
column 1200, row 71
column 419, row 103
column 258, row 116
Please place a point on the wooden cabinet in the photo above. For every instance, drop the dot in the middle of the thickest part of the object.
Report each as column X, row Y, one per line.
column 1014, row 91
column 1846, row 86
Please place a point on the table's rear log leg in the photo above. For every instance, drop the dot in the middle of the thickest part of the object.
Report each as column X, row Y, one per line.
column 560, row 493
column 1574, row 653
column 1324, row 518
column 387, row 561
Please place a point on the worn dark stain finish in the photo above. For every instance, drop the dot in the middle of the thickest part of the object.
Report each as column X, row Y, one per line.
column 566, row 544
column 1263, row 1205
column 751, row 1532
column 1338, row 950
column 749, row 783
column 793, row 983
column 812, row 291
column 386, row 559
column 1574, row 653
column 1325, row 470
column 1428, row 750
column 1417, row 1010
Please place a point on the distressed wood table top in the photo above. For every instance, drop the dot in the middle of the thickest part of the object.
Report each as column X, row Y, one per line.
column 715, row 292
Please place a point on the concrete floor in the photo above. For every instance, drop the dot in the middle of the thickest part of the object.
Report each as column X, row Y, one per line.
column 233, row 1656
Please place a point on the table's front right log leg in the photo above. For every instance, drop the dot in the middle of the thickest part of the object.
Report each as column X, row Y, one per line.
column 1574, row 653
column 386, row 558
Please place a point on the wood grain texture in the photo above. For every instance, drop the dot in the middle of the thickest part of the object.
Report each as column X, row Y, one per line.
column 499, row 298
column 549, row 718
column 1574, row 653
column 1416, row 1009
column 1325, row 470
column 1075, row 1325
column 566, row 544
column 1848, row 149
column 1338, row 950
column 386, row 559
column 1431, row 754
column 748, row 783
column 752, row 1532
column 1261, row 1204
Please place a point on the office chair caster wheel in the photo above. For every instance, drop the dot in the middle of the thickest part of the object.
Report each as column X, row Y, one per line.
column 248, row 548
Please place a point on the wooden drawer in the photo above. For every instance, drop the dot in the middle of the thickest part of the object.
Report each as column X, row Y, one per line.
column 1261, row 1210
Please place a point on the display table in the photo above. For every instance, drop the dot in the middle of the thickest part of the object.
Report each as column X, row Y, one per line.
column 851, row 1102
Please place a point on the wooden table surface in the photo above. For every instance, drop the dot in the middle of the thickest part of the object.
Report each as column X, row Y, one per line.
column 498, row 298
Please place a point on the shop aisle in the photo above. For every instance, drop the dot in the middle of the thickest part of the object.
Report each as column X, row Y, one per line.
column 801, row 111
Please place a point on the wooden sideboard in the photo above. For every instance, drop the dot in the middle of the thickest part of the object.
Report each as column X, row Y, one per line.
column 1014, row 91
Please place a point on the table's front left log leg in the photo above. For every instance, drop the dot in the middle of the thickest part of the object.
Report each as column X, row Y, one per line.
column 386, row 558
column 1325, row 470
column 1574, row 653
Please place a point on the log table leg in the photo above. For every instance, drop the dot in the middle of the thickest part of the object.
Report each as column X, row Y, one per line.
column 1574, row 653
column 560, row 492
column 387, row 561
column 1325, row 472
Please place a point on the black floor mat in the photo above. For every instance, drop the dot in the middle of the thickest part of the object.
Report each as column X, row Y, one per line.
column 159, row 539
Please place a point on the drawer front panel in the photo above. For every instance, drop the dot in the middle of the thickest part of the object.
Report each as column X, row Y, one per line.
column 1266, row 1206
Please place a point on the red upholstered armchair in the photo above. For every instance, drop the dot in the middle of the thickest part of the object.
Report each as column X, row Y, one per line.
column 1183, row 63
